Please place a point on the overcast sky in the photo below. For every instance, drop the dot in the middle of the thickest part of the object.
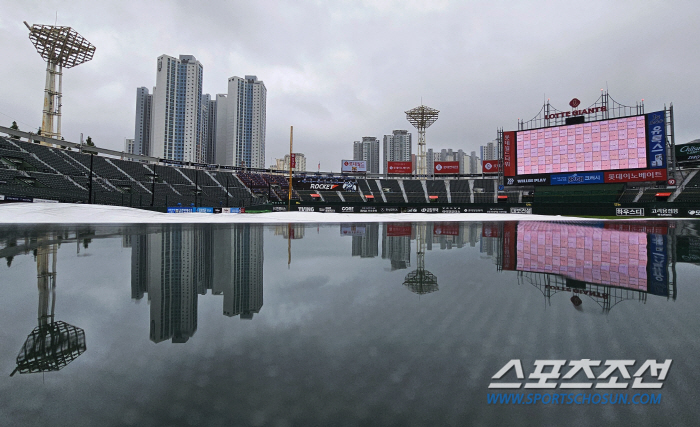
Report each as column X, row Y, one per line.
column 341, row 70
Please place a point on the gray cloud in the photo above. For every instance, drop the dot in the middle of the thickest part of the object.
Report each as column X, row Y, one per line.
column 338, row 71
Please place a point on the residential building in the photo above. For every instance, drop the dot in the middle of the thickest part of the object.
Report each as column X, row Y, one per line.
column 367, row 150
column 240, row 123
column 283, row 164
column 398, row 147
column 176, row 127
column 142, row 127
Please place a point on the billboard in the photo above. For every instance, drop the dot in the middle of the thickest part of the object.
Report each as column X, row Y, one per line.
column 489, row 166
column 446, row 167
column 689, row 152
column 588, row 153
column 446, row 229
column 509, row 154
column 324, row 185
column 353, row 166
column 399, row 167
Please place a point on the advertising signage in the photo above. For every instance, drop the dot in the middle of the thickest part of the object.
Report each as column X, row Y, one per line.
column 446, row 167
column 353, row 166
column 399, row 167
column 489, row 166
column 590, row 153
column 688, row 152
column 324, row 185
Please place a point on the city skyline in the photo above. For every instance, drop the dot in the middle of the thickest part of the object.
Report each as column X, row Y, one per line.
column 325, row 79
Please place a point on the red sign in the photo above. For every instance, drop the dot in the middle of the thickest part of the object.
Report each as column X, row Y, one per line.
column 446, row 167
column 671, row 181
column 489, row 166
column 575, row 103
column 293, row 161
column 399, row 167
column 490, row 229
column 509, row 153
column 446, row 229
column 394, row 230
column 510, row 240
column 635, row 175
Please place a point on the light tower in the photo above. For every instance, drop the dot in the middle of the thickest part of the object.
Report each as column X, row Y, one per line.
column 61, row 47
column 420, row 281
column 421, row 118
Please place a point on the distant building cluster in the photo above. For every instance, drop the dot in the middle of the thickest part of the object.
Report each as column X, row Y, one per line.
column 283, row 163
column 398, row 147
column 178, row 122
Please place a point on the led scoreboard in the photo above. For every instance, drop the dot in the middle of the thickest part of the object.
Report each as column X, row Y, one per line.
column 615, row 150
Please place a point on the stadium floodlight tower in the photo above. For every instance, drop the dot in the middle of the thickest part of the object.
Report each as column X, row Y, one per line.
column 420, row 281
column 61, row 47
column 421, row 118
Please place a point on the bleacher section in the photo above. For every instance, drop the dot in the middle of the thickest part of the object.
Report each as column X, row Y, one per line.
column 437, row 188
column 33, row 170
column 459, row 190
column 414, row 191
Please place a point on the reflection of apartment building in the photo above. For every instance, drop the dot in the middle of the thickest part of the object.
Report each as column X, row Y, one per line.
column 397, row 249
column 238, row 269
column 296, row 231
column 166, row 261
column 367, row 246
column 176, row 265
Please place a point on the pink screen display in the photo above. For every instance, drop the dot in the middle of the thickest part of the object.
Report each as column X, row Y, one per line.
column 605, row 145
column 593, row 255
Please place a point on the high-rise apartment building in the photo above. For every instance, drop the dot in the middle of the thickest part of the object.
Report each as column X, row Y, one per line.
column 367, row 150
column 490, row 150
column 445, row 155
column 142, row 127
column 209, row 128
column 240, row 123
column 176, row 129
column 397, row 147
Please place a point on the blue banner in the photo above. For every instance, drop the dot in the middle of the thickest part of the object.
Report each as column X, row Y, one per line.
column 657, row 267
column 577, row 178
column 180, row 210
column 204, row 210
column 656, row 139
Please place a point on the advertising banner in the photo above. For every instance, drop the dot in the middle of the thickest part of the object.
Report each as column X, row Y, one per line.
column 446, row 229
column 352, row 230
column 658, row 265
column 346, row 185
column 400, row 229
column 353, row 166
column 528, row 180
column 399, row 167
column 490, row 166
column 688, row 152
column 490, row 229
column 656, row 134
column 635, row 175
column 577, row 178
column 509, row 153
column 446, row 167
column 293, row 160
column 509, row 258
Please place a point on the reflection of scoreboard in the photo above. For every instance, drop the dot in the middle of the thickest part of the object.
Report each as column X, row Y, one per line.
column 620, row 255
column 606, row 151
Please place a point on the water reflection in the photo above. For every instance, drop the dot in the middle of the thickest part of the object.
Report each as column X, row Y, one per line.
column 602, row 262
column 179, row 263
column 53, row 344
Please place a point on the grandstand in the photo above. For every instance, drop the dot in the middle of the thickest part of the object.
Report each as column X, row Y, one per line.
column 42, row 172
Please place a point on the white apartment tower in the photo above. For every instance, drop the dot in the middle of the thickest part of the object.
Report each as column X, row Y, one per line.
column 240, row 123
column 367, row 150
column 176, row 130
column 397, row 147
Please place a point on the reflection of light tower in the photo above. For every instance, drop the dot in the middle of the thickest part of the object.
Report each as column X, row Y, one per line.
column 421, row 281
column 60, row 47
column 53, row 344
column 421, row 118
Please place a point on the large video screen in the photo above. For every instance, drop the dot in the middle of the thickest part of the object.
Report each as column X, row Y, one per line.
column 596, row 146
column 591, row 254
